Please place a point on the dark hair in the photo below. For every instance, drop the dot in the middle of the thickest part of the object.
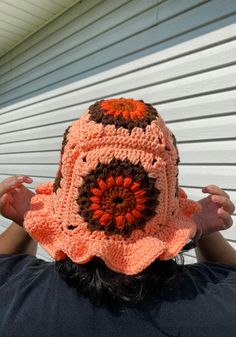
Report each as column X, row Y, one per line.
column 106, row 287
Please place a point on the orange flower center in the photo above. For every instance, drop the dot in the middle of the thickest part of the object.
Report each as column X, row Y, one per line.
column 118, row 197
column 117, row 200
column 125, row 107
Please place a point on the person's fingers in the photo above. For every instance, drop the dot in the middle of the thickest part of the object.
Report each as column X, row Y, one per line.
column 7, row 184
column 23, row 178
column 225, row 202
column 213, row 189
column 225, row 216
column 12, row 182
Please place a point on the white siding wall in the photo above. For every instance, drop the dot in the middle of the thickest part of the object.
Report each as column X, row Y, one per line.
column 177, row 55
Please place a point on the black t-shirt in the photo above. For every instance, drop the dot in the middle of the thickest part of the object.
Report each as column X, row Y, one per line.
column 36, row 302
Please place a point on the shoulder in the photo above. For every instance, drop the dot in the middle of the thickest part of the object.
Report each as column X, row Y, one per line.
column 11, row 260
column 211, row 271
column 17, row 264
column 213, row 279
column 219, row 266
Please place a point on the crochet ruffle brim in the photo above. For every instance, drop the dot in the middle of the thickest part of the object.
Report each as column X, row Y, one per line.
column 125, row 255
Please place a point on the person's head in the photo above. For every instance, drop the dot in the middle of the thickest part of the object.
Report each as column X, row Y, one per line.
column 115, row 216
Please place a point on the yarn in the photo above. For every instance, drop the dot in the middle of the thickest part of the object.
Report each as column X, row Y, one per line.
column 117, row 202
column 123, row 112
column 116, row 193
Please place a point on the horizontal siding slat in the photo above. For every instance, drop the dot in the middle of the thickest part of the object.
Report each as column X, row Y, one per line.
column 12, row 29
column 5, row 43
column 50, row 157
column 43, row 170
column 21, row 13
column 184, row 87
column 35, row 10
column 207, row 105
column 202, row 175
column 63, row 3
column 27, row 21
column 39, row 120
column 208, row 152
column 5, row 34
column 51, row 6
column 47, row 144
column 18, row 55
column 77, row 32
column 201, row 84
column 117, row 49
column 212, row 128
column 45, row 131
column 148, row 76
column 9, row 37
column 97, row 36
column 180, row 45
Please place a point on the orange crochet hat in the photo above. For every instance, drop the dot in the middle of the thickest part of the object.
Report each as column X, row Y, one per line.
column 116, row 192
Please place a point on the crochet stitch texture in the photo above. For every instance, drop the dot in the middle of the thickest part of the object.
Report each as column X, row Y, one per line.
column 116, row 193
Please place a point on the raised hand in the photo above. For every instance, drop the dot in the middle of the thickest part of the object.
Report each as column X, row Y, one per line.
column 15, row 198
column 217, row 209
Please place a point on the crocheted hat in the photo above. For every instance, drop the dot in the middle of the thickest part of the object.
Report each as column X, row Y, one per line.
column 116, row 192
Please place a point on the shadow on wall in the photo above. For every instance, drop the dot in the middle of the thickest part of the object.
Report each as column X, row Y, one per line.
column 128, row 38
